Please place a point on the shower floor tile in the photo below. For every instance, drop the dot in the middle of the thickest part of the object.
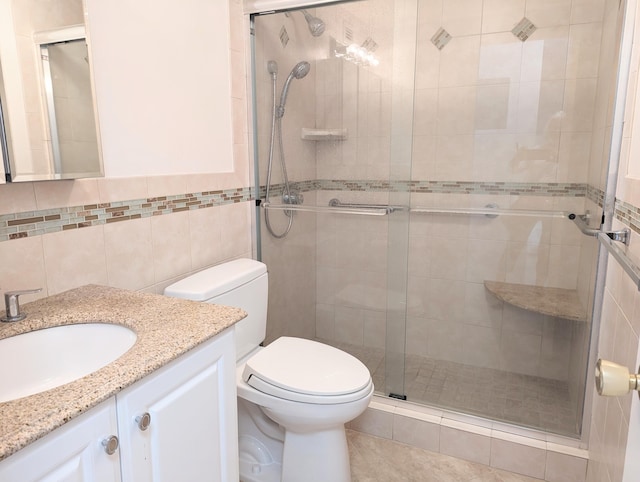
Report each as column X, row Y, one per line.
column 535, row 402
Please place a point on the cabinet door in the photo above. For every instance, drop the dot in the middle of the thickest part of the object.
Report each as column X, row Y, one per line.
column 72, row 453
column 192, row 433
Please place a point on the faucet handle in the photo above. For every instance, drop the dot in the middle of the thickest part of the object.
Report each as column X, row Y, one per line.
column 12, row 304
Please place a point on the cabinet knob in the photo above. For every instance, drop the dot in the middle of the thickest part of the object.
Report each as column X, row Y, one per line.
column 110, row 445
column 143, row 421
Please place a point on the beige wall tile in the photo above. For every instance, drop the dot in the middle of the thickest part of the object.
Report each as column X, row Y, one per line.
column 74, row 258
column 205, row 237
column 122, row 189
column 565, row 468
column 17, row 197
column 171, row 245
column 129, row 254
column 587, row 10
column 545, row 55
column 584, row 50
column 23, row 267
column 166, row 185
column 462, row 17
column 548, row 13
column 374, row 422
column 518, row 458
column 417, row 433
column 325, row 322
column 235, row 222
column 465, row 445
column 55, row 194
column 349, row 325
column 498, row 16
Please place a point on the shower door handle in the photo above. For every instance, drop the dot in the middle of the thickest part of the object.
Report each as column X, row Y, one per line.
column 613, row 380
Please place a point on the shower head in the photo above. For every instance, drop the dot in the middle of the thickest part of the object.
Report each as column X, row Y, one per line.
column 299, row 71
column 316, row 26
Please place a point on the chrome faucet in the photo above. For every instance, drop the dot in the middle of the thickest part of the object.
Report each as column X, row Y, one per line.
column 12, row 304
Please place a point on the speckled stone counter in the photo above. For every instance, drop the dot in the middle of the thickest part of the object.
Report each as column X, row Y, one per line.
column 166, row 328
column 558, row 302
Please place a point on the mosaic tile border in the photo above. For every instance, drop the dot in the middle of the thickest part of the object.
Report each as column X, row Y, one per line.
column 628, row 214
column 440, row 187
column 595, row 195
column 36, row 223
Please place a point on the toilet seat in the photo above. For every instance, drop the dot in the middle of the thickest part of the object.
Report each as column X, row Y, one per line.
column 303, row 370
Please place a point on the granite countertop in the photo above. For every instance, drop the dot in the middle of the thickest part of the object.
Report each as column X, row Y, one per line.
column 166, row 328
column 558, row 302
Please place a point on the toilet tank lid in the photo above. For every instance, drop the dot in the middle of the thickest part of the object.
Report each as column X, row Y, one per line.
column 216, row 280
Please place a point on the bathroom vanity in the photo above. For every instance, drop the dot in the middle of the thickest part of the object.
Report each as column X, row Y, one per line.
column 167, row 406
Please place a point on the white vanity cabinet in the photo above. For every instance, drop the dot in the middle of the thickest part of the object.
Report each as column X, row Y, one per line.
column 73, row 453
column 177, row 424
column 180, row 423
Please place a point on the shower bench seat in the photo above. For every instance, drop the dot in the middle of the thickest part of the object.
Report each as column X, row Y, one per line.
column 558, row 302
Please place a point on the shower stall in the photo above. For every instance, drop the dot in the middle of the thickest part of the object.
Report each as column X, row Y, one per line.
column 419, row 191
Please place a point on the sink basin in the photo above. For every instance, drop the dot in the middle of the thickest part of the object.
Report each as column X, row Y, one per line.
column 39, row 360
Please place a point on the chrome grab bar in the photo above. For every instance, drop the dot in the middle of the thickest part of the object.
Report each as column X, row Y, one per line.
column 490, row 211
column 582, row 221
column 337, row 206
column 336, row 203
column 365, row 210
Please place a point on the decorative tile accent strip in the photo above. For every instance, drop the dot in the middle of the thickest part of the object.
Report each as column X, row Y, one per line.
column 439, row 187
column 36, row 223
column 595, row 195
column 628, row 214
column 441, row 38
column 524, row 29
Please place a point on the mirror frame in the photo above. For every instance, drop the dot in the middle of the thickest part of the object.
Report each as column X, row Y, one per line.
column 13, row 150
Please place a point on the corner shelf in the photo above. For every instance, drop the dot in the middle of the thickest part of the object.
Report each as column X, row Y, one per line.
column 324, row 134
column 558, row 302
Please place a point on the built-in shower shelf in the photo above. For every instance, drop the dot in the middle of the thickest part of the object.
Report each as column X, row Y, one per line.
column 324, row 134
column 558, row 302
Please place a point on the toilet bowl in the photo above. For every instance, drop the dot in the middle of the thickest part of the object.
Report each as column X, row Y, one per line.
column 294, row 395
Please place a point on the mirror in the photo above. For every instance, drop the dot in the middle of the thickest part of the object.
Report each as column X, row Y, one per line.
column 48, row 126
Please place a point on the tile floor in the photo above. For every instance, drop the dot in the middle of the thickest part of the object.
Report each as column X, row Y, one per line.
column 534, row 402
column 376, row 459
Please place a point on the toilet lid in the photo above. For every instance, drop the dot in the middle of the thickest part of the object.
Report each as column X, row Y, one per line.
column 306, row 367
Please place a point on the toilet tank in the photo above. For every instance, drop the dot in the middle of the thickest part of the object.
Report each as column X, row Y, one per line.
column 242, row 283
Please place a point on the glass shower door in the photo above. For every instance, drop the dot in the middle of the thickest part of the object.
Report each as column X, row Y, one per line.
column 340, row 274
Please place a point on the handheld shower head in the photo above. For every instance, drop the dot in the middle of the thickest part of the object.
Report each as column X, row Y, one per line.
column 299, row 71
column 316, row 26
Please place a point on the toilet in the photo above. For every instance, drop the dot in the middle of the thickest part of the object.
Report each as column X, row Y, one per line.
column 294, row 395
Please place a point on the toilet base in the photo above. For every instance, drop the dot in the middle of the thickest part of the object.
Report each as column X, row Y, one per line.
column 257, row 472
column 303, row 456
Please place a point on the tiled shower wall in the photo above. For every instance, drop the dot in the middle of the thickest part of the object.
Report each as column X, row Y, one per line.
column 140, row 252
column 286, row 40
column 488, row 108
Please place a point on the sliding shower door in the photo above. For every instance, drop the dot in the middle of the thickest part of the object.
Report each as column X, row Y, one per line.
column 420, row 180
column 340, row 273
column 510, row 121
